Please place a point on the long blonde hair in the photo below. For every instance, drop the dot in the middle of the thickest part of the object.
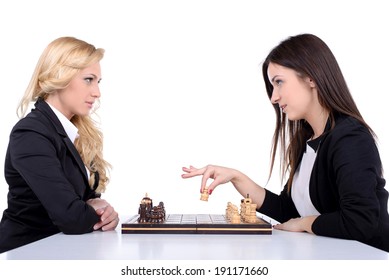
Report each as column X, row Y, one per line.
column 59, row 63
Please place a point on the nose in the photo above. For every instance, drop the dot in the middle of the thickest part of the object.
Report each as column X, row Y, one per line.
column 96, row 92
column 275, row 97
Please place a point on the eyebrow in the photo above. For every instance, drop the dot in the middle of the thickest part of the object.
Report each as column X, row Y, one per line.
column 272, row 80
column 94, row 76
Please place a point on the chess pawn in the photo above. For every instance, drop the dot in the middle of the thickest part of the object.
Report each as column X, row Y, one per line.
column 228, row 210
column 235, row 219
column 163, row 211
column 142, row 214
column 154, row 218
column 204, row 195
column 252, row 218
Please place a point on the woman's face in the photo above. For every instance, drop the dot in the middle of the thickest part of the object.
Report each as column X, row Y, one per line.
column 296, row 96
column 80, row 95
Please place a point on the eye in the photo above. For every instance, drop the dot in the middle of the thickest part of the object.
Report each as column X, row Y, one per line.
column 278, row 82
column 88, row 80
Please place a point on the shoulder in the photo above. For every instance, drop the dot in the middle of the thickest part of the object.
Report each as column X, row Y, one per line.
column 349, row 136
column 35, row 132
column 33, row 121
column 41, row 119
column 349, row 127
column 35, row 126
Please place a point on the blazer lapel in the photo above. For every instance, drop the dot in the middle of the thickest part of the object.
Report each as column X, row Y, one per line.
column 69, row 144
column 42, row 106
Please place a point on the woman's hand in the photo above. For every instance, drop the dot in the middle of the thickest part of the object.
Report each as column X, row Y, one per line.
column 298, row 224
column 109, row 218
column 219, row 174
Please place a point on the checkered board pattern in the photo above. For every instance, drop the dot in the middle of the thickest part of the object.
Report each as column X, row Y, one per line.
column 195, row 223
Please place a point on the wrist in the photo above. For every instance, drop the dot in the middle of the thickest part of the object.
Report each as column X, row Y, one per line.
column 236, row 177
column 307, row 223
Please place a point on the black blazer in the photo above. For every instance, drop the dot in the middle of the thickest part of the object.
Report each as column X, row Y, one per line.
column 346, row 187
column 48, row 183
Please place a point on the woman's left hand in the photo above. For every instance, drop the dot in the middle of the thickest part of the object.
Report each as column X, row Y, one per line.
column 109, row 218
column 298, row 224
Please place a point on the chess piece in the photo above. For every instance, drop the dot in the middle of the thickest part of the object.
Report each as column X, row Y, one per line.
column 227, row 213
column 154, row 215
column 142, row 214
column 235, row 217
column 252, row 216
column 204, row 195
column 145, row 207
column 161, row 206
column 148, row 201
column 245, row 209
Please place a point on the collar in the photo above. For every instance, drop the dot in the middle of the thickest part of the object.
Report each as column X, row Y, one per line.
column 70, row 129
column 315, row 143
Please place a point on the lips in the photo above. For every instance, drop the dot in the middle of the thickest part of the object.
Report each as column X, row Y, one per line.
column 90, row 104
column 283, row 107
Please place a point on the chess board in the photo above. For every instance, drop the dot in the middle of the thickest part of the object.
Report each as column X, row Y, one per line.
column 194, row 224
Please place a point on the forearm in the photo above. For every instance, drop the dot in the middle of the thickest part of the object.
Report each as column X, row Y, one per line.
column 298, row 224
column 245, row 186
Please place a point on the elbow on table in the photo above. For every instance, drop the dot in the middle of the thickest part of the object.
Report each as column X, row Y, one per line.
column 73, row 231
column 77, row 227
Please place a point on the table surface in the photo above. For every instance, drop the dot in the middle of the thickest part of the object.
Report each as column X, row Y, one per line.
column 113, row 245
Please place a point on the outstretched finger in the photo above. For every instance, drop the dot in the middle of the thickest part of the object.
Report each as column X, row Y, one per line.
column 192, row 172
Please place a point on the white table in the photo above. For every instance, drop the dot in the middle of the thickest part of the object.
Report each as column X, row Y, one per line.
column 114, row 245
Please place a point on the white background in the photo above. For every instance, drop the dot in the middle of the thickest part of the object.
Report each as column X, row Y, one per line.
column 182, row 83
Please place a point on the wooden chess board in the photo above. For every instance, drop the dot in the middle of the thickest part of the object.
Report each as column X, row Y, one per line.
column 195, row 223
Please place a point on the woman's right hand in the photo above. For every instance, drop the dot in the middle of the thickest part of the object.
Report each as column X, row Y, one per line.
column 219, row 174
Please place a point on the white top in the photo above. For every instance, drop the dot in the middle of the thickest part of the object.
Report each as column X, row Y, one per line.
column 300, row 185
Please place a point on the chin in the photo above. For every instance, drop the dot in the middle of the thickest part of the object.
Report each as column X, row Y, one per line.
column 84, row 114
column 293, row 118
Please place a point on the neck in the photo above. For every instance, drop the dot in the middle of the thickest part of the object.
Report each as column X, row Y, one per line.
column 318, row 124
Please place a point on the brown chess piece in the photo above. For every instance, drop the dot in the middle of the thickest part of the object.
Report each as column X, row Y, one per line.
column 142, row 214
column 154, row 215
column 163, row 211
column 148, row 201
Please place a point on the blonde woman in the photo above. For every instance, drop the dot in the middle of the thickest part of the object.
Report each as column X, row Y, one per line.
column 54, row 164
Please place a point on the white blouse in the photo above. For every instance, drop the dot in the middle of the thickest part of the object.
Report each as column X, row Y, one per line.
column 300, row 185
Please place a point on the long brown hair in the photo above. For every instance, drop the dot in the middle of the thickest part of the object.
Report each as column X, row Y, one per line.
column 310, row 57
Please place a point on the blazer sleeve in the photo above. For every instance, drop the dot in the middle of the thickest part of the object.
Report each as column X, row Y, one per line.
column 354, row 167
column 279, row 207
column 34, row 153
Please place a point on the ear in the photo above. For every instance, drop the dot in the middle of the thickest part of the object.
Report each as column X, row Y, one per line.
column 311, row 82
